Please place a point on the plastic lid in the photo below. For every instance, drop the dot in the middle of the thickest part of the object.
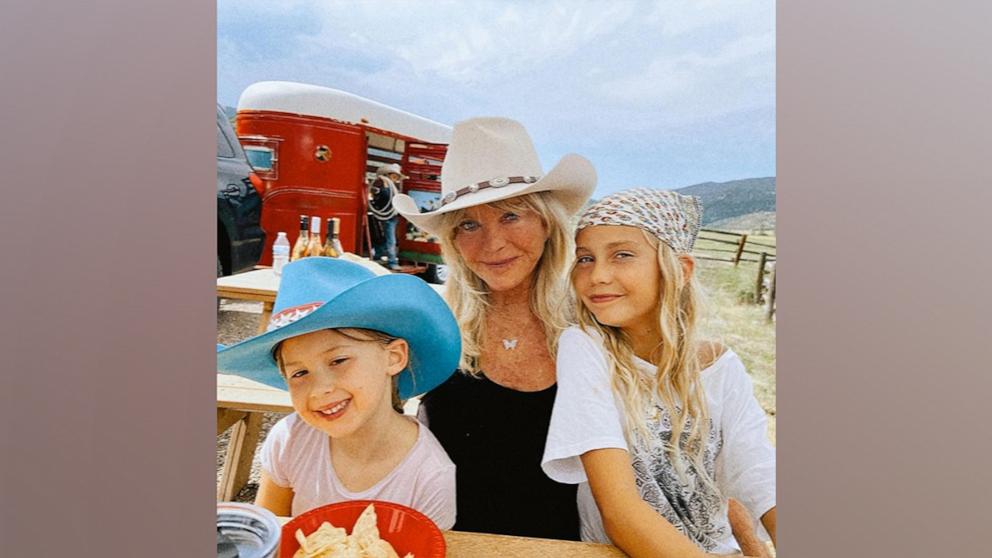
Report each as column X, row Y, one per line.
column 253, row 530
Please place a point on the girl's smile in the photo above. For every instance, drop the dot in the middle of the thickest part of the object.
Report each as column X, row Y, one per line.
column 603, row 298
column 334, row 410
column 340, row 385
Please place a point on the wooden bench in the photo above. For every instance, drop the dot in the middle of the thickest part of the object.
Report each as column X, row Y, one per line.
column 240, row 406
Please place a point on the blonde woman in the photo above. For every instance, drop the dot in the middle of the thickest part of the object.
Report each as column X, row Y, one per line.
column 503, row 225
column 660, row 427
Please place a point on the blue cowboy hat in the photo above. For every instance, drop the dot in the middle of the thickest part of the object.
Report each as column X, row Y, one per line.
column 319, row 293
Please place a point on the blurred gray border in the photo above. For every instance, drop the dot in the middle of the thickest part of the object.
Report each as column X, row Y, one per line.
column 884, row 184
column 108, row 383
column 107, row 390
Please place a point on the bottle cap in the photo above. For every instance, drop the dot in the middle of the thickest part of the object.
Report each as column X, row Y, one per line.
column 315, row 223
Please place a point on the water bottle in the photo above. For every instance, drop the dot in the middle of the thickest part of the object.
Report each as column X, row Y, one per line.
column 280, row 253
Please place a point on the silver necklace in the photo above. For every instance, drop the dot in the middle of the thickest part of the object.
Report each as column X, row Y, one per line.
column 509, row 344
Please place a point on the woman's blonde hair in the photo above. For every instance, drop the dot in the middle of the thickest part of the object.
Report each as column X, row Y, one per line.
column 550, row 301
column 676, row 383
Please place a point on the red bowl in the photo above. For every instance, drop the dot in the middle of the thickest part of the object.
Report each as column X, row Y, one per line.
column 405, row 528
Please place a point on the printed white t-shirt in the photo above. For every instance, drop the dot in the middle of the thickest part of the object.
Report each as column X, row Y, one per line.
column 738, row 455
column 298, row 456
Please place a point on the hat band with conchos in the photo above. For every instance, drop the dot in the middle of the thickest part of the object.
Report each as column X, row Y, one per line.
column 290, row 315
column 493, row 183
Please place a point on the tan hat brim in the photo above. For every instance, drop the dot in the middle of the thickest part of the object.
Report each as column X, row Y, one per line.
column 571, row 181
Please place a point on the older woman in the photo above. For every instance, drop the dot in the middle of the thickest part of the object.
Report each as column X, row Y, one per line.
column 503, row 225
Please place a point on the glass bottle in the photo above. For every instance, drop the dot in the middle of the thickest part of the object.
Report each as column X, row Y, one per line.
column 337, row 232
column 329, row 249
column 314, row 247
column 300, row 246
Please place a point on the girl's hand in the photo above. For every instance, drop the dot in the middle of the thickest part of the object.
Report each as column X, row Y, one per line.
column 744, row 529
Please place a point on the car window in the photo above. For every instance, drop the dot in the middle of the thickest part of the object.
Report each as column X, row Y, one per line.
column 224, row 148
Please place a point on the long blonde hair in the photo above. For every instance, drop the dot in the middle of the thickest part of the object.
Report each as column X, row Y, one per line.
column 468, row 295
column 676, row 383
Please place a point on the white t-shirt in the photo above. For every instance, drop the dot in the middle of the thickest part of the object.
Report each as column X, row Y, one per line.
column 298, row 456
column 738, row 455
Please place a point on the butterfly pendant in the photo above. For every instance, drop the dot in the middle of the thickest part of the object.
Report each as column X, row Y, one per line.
column 509, row 344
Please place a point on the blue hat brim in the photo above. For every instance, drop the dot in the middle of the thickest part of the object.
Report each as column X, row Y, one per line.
column 398, row 305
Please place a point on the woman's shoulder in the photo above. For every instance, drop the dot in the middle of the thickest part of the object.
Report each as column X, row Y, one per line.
column 456, row 385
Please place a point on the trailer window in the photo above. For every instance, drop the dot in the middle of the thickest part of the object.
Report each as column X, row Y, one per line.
column 261, row 158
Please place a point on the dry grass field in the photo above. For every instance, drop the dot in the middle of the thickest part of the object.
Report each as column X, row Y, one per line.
column 731, row 319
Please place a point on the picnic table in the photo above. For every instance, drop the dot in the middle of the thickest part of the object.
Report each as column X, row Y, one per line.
column 241, row 404
column 463, row 544
column 259, row 285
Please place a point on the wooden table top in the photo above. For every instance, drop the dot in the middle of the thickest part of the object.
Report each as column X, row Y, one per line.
column 461, row 544
column 235, row 392
column 258, row 284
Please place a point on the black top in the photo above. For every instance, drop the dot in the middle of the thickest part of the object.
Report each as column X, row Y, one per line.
column 495, row 436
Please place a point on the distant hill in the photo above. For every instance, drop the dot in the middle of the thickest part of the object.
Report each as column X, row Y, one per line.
column 752, row 222
column 723, row 201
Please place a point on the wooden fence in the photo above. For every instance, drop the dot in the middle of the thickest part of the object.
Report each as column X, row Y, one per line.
column 734, row 248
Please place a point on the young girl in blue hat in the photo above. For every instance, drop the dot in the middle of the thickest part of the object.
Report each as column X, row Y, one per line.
column 659, row 427
column 350, row 346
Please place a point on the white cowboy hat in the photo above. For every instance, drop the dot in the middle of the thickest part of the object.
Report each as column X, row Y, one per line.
column 391, row 168
column 492, row 159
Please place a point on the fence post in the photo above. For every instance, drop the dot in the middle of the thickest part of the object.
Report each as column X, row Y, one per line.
column 760, row 282
column 740, row 249
column 771, row 293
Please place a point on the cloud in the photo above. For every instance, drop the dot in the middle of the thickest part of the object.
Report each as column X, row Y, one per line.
column 675, row 19
column 650, row 74
column 468, row 44
column 690, row 86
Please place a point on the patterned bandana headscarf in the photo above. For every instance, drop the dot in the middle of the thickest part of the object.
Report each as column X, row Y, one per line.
column 673, row 218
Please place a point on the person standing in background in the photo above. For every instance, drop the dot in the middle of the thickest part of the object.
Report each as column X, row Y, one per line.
column 383, row 189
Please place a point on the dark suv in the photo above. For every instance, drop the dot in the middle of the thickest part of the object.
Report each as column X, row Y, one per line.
column 239, row 206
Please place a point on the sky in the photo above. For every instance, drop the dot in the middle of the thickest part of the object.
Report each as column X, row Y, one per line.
column 661, row 94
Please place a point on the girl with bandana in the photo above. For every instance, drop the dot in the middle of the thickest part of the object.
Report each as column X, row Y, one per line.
column 658, row 427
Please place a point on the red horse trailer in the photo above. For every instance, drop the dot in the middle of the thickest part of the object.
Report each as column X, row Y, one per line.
column 316, row 149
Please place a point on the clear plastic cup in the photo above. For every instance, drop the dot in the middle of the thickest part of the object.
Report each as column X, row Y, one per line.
column 254, row 530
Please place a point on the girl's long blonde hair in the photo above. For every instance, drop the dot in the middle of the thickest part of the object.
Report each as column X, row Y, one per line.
column 468, row 295
column 676, row 383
